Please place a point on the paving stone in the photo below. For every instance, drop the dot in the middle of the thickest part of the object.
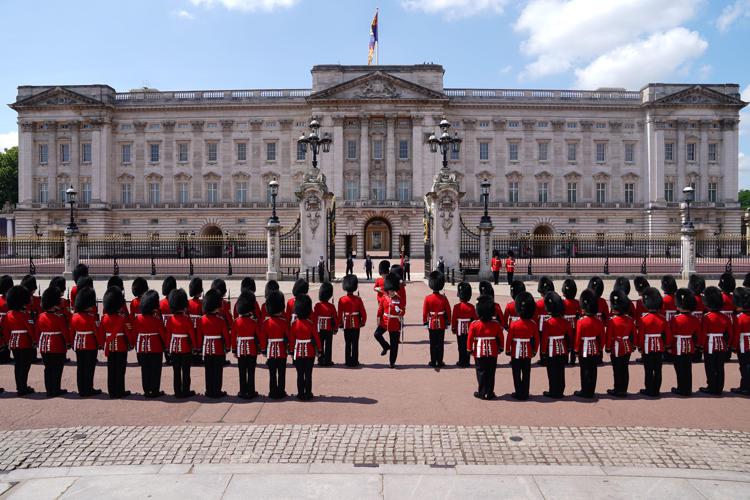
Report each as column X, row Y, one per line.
column 396, row 487
column 40, row 489
column 575, row 488
column 167, row 486
column 321, row 486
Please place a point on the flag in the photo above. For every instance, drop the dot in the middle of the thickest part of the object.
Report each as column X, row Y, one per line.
column 373, row 38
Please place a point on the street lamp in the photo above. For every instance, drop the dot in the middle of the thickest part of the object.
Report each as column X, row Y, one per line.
column 445, row 143
column 70, row 195
column 274, row 186
column 316, row 143
column 37, row 233
column 485, row 185
column 689, row 194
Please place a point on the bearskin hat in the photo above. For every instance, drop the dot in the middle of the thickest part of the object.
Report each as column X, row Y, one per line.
column 712, row 298
column 685, row 300
column 80, row 271
column 247, row 285
column 516, row 287
column 59, row 283
column 596, row 285
column 245, row 303
column 622, row 284
column 115, row 281
column 545, row 285
column 113, row 300
column 641, row 284
column 525, row 305
column 325, row 292
column 589, row 302
column 652, row 299
column 569, row 288
column 86, row 299
column 29, row 283
column 6, row 283
column 168, row 285
column 696, row 284
column 464, row 291
column 727, row 283
column 211, row 301
column 436, row 281
column 553, row 303
column 742, row 297
column 303, row 306
column 620, row 301
column 384, row 267
column 17, row 298
column 350, row 283
column 139, row 286
column 150, row 302
column 392, row 283
column 398, row 271
column 511, row 253
column 195, row 288
column 178, row 300
column 275, row 302
column 220, row 285
column 746, row 281
column 85, row 281
column 485, row 288
column 300, row 287
column 668, row 284
column 51, row 298
column 485, row 308
column 271, row 286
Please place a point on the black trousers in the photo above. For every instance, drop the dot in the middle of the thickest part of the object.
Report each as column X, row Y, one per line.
column 4, row 354
column 214, row 365
column 23, row 359
column 521, row 376
column 437, row 346
column 463, row 352
column 150, row 372
column 714, row 365
column 368, row 273
column 379, row 333
column 496, row 276
column 181, row 368
column 246, row 365
column 683, row 367
column 304, row 368
column 350, row 269
column 572, row 358
column 53, row 370
column 395, row 338
column 588, row 375
column 486, row 368
column 351, row 347
column 556, row 374
column 621, row 373
column 407, row 272
column 85, row 367
column 276, row 377
column 652, row 372
column 326, row 351
column 510, row 277
column 744, row 362
column 117, row 363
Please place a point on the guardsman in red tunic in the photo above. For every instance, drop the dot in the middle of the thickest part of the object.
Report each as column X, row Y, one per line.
column 180, row 340
column 716, row 330
column 300, row 287
column 390, row 317
column 139, row 287
column 464, row 313
column 305, row 341
column 6, row 283
column 34, row 307
column 727, row 284
column 683, row 333
column 399, row 271
column 554, row 341
column 117, row 336
column 485, row 341
column 641, row 284
column 86, row 340
column 247, row 285
column 544, row 286
column 496, row 264
column 697, row 284
column 213, row 335
column 597, row 286
column 623, row 284
column 740, row 342
column 271, row 286
column 18, row 334
column 195, row 311
column 486, row 288
column 669, row 288
column 80, row 271
column 51, row 337
column 245, row 343
column 620, row 340
column 522, row 343
column 352, row 317
column 589, row 342
column 225, row 310
column 510, row 266
column 572, row 313
column 651, row 340
column 274, row 339
column 436, row 316
column 324, row 317
column 384, row 268
column 150, row 340
column 167, row 286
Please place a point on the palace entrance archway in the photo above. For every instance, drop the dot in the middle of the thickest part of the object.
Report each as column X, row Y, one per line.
column 378, row 237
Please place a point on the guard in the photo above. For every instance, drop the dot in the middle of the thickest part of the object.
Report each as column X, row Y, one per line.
column 303, row 335
column 324, row 318
column 436, row 315
column 245, row 343
column 87, row 340
column 684, row 330
column 51, row 334
column 181, row 341
column 485, row 341
column 464, row 313
column 619, row 342
column 150, row 343
column 352, row 317
column 714, row 339
column 522, row 343
column 274, row 338
column 116, row 328
column 213, row 335
column 589, row 342
column 554, row 339
column 651, row 341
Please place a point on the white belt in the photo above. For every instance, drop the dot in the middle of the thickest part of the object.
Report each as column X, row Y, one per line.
column 298, row 342
column 711, row 337
column 586, row 342
column 482, row 346
column 210, row 337
column 461, row 323
column 348, row 316
column 552, row 341
column 680, row 339
column 179, row 335
column 622, row 339
column 245, row 339
column 519, row 346
column 78, row 337
column 743, row 336
column 44, row 341
column 325, row 321
column 646, row 338
column 271, row 345
column 542, row 319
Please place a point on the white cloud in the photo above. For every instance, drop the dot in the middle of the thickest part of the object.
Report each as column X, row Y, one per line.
column 744, row 178
column 731, row 13
column 704, row 72
column 650, row 60
column 248, row 5
column 745, row 95
column 454, row 9
column 8, row 140
column 506, row 69
column 183, row 14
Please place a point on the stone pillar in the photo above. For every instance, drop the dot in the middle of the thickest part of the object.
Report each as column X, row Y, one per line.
column 390, row 158
column 417, row 147
column 197, row 146
column 485, row 250
column 443, row 200
column 140, row 162
column 227, row 155
column 52, row 165
column 687, row 251
column 26, row 163
column 335, row 165
column 364, row 158
column 273, row 271
column 169, row 191
column 71, row 252
column 255, row 162
column 75, row 155
column 728, row 158
column 314, row 201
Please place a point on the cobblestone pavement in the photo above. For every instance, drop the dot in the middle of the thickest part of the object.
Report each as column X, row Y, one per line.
column 367, row 445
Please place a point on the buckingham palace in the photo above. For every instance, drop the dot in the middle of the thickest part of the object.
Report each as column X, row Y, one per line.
column 151, row 162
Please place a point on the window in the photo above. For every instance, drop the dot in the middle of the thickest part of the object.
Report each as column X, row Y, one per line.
column 125, row 153
column 571, row 125
column 484, row 124
column 628, row 221
column 269, row 198
column 543, row 148
column 454, row 155
column 213, row 151
column 241, row 151
column 514, row 220
column 404, row 190
column 212, row 192
column 43, row 154
column 629, row 152
column 669, row 151
column 542, row 191
column 513, row 151
column 712, row 191
column 86, row 152
column 514, row 124
column 601, row 152
column 182, row 152
column 270, row 151
column 154, row 193
column 182, row 192
column 65, row 153
column 403, row 150
column 62, row 195
column 601, row 192
column 351, row 150
column 86, row 192
column 378, row 189
column 351, row 189
column 572, row 192
column 377, row 149
column 484, row 151
column 572, row 220
column 601, row 125
column 712, row 151
column 301, row 152
column 572, row 151
column 42, row 192
column 126, row 193
column 240, row 192
column 669, row 192
column 629, row 192
column 542, row 124
column 154, row 149
column 513, row 191
column 690, row 151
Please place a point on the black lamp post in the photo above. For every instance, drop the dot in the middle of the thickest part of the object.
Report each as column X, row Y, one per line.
column 70, row 194
column 485, row 185
column 316, row 143
column 274, row 186
column 445, row 143
column 689, row 194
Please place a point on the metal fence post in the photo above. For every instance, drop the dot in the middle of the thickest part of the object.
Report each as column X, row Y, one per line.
column 528, row 268
column 728, row 267
column 567, row 265
column 644, row 270
column 116, row 267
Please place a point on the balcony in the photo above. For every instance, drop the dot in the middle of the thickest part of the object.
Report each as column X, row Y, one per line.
column 519, row 95
column 380, row 204
column 551, row 204
column 147, row 97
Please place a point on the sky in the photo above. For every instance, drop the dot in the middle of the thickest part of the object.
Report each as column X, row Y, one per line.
column 242, row 44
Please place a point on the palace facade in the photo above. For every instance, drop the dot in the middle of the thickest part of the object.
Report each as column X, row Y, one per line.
column 150, row 162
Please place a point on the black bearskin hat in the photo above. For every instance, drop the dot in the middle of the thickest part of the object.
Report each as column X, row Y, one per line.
column 589, row 302
column 29, row 283
column 139, row 287
column 6, row 283
column 746, row 281
column 245, row 303
column 696, row 284
column 392, row 283
column 727, row 283
column 485, row 307
column 211, row 301
column 220, row 285
column 384, row 267
column 51, row 298
column 742, row 297
column 271, row 286
column 464, row 291
column 553, row 303
column 178, row 300
column 59, row 283
column 525, row 305
column 79, row 272
column 485, row 288
column 85, row 281
column 17, row 298
column 569, row 288
column 596, row 285
column 712, row 298
column 350, row 283
column 149, row 302
column 86, row 299
column 115, row 281
column 436, row 281
column 668, row 284
column 300, row 287
column 511, row 253
column 620, row 301
column 545, row 285
column 195, row 288
column 516, row 287
column 652, row 299
column 303, row 306
column 622, row 284
column 275, row 302
column 641, row 284
column 325, row 292
column 398, row 271
column 168, row 285
column 685, row 300
column 247, row 285
column 113, row 300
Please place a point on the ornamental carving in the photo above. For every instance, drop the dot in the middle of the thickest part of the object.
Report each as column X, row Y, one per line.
column 378, row 89
column 312, row 206
column 446, row 212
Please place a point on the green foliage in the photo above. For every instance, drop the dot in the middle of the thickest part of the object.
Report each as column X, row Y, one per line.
column 9, row 176
column 744, row 198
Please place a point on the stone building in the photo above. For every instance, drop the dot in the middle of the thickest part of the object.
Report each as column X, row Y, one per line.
column 178, row 162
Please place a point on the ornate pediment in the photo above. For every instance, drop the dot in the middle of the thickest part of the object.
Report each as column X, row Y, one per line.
column 698, row 95
column 57, row 97
column 377, row 85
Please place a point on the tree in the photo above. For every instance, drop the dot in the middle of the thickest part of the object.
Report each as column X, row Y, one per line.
column 9, row 176
column 744, row 198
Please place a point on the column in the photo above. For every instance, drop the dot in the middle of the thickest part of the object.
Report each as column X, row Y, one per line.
column 418, row 188
column 526, row 157
column 197, row 146
column 257, row 189
column 687, row 244
column 314, row 201
column 274, row 252
column 680, row 157
column 728, row 158
column 585, row 161
column 75, row 155
column 364, row 160
column 52, row 165
column 703, row 152
column 501, row 159
column 470, row 158
column 444, row 200
column 655, row 158
column 70, row 253
column 26, row 163
column 105, row 163
column 335, row 165
column 284, row 163
column 140, row 162
column 485, row 250
column 168, row 161
column 226, row 159
column 390, row 158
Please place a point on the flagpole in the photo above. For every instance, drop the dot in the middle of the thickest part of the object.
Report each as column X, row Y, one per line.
column 377, row 44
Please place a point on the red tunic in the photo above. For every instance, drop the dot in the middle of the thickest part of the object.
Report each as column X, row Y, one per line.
column 324, row 317
column 523, row 339
column 496, row 264
column 115, row 329
column 683, row 332
column 73, row 293
column 463, row 315
column 571, row 313
column 589, row 336
column 378, row 286
column 352, row 314
column 195, row 310
column 499, row 314
column 165, row 310
column 245, row 339
column 51, row 333
column 180, row 334
column 402, row 296
column 510, row 265
column 620, row 335
column 555, row 334
column 289, row 312
column 716, row 329
column 135, row 307
column 652, row 333
column 274, row 337
column 436, row 311
column 150, row 337
column 510, row 315
column 728, row 306
column 226, row 313
column 303, row 336
column 603, row 309
column 212, row 335
column 640, row 309
column 390, row 313
column 740, row 340
column 668, row 306
column 18, row 333
column 256, row 311
column 541, row 315
column 87, row 335
column 485, row 339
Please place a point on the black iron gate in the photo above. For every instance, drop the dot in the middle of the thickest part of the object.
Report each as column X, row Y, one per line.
column 427, row 222
column 289, row 247
column 468, row 251
column 332, row 241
